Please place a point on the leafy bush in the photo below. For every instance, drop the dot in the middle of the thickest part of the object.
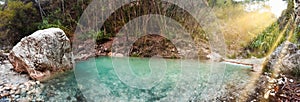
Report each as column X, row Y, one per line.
column 57, row 24
column 263, row 43
column 99, row 36
column 17, row 20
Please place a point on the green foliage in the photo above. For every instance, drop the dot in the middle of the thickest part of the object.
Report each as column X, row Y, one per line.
column 290, row 9
column 45, row 24
column 296, row 35
column 56, row 24
column 17, row 20
column 264, row 41
column 220, row 3
column 20, row 19
column 99, row 36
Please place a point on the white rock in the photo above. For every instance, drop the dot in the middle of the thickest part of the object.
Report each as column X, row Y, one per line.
column 21, row 86
column 272, row 80
column 118, row 55
column 41, row 52
column 6, row 88
column 269, row 87
column 38, row 82
column 291, row 80
column 272, row 94
column 266, row 96
column 280, row 82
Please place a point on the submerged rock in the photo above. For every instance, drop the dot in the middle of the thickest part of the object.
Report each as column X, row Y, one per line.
column 42, row 54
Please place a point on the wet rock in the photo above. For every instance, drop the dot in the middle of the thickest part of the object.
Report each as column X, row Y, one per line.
column 43, row 53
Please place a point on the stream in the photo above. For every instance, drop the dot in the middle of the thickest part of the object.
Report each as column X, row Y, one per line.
column 151, row 79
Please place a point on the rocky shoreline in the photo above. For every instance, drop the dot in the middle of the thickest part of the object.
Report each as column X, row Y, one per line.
column 278, row 83
column 17, row 87
column 147, row 46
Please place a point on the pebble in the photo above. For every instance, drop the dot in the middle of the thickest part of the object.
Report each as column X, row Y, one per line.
column 38, row 82
column 6, row 88
column 272, row 81
column 4, row 94
column 280, row 82
column 14, row 88
column 23, row 90
column 39, row 99
column 21, row 86
column 17, row 96
column 291, row 80
column 29, row 92
column 27, row 88
column 270, row 87
column 272, row 94
column 266, row 95
column 18, row 91
column 32, row 83
column 254, row 100
column 12, row 92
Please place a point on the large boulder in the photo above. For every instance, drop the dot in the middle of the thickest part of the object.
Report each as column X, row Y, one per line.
column 286, row 57
column 42, row 54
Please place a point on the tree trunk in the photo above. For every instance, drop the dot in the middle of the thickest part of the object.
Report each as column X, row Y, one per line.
column 40, row 8
column 5, row 4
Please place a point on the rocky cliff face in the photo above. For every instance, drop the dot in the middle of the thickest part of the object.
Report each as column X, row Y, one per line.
column 291, row 60
column 42, row 54
column 286, row 57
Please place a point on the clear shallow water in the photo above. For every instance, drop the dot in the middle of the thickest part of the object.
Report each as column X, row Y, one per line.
column 144, row 79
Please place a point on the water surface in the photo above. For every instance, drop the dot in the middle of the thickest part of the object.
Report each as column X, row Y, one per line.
column 152, row 79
